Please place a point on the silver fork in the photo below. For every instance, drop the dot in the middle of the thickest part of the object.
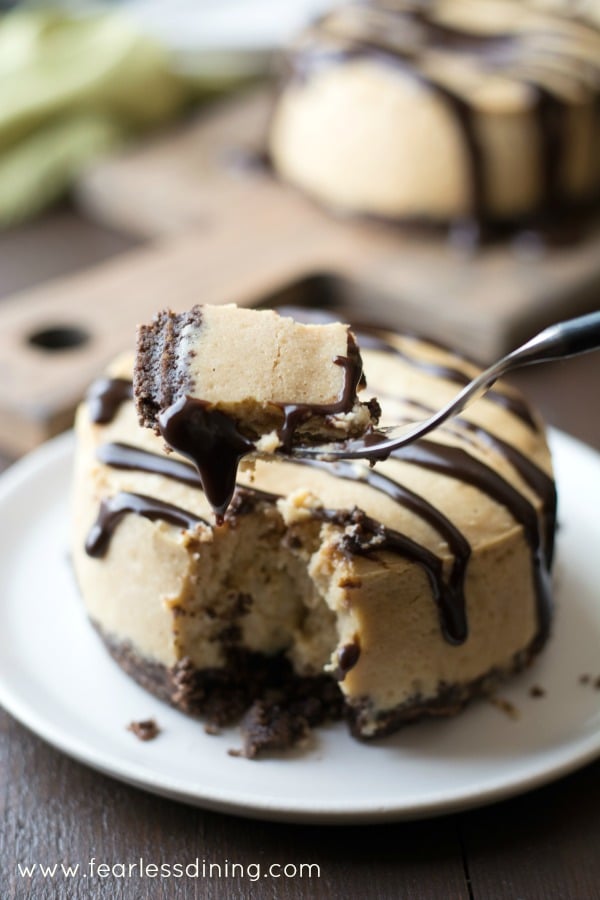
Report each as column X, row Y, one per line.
column 558, row 341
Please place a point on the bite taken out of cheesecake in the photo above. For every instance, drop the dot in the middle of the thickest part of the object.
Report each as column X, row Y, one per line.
column 331, row 590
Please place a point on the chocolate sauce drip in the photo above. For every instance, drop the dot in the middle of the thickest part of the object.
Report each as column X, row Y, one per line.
column 125, row 456
column 511, row 402
column 540, row 483
column 454, row 462
column 465, row 116
column 551, row 123
column 348, row 656
column 366, row 537
column 212, row 441
column 105, row 396
column 450, row 595
column 113, row 509
column 296, row 413
column 492, row 47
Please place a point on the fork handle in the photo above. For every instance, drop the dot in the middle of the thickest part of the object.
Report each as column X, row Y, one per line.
column 561, row 341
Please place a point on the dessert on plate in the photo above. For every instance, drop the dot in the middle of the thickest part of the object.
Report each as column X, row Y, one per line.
column 438, row 112
column 377, row 594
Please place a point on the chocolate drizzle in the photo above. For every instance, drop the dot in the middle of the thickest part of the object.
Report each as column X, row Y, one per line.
column 170, row 402
column 125, row 456
column 348, row 655
column 294, row 414
column 454, row 462
column 113, row 509
column 366, row 537
column 511, row 402
column 542, row 484
column 449, row 595
column 461, row 108
column 535, row 477
column 551, row 123
column 213, row 441
column 401, row 37
column 105, row 396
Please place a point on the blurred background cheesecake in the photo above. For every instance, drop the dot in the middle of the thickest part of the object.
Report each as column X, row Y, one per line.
column 444, row 111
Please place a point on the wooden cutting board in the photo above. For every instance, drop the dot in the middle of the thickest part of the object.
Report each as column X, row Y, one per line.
column 223, row 233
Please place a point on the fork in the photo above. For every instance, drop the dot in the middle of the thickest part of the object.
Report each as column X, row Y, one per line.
column 556, row 342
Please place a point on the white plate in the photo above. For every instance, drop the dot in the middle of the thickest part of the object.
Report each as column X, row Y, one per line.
column 57, row 679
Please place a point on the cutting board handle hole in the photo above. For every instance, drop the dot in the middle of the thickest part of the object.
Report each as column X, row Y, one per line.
column 56, row 338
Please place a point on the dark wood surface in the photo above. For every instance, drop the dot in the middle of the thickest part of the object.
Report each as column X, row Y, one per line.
column 541, row 846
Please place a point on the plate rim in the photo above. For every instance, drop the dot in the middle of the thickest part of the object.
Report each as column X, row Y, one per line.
column 571, row 757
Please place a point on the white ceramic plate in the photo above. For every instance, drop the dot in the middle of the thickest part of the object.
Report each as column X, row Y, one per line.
column 57, row 679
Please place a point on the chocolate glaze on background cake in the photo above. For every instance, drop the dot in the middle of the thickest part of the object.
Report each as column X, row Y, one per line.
column 511, row 94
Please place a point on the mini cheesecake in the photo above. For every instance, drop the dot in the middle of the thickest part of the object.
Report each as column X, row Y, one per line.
column 478, row 110
column 378, row 594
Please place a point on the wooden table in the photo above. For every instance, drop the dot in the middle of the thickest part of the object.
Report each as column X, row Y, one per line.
column 542, row 846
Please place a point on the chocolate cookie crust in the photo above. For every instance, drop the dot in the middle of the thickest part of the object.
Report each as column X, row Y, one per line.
column 276, row 708
column 158, row 377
